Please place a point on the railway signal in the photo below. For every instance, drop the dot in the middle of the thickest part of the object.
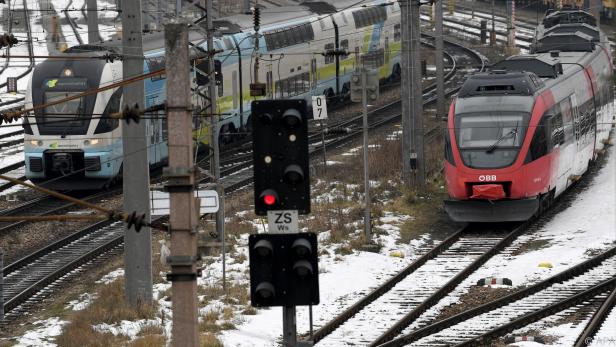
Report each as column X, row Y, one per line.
column 280, row 155
column 283, row 269
column 371, row 86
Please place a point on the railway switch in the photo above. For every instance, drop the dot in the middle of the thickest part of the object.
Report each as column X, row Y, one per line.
column 283, row 269
column 280, row 156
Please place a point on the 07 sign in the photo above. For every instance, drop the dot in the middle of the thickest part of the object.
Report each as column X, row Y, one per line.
column 282, row 221
column 319, row 107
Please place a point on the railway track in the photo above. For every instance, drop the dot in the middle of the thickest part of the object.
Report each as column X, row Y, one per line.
column 403, row 298
column 597, row 324
column 491, row 320
column 24, row 278
column 355, row 325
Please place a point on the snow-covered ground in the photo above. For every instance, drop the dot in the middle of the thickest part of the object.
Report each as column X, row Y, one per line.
column 589, row 224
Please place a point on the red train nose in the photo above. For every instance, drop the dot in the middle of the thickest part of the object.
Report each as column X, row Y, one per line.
column 488, row 192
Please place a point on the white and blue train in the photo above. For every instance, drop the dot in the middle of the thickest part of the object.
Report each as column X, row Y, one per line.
column 78, row 145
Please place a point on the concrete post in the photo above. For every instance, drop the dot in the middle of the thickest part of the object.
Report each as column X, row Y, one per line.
column 438, row 57
column 93, row 35
column 184, row 209
column 136, row 174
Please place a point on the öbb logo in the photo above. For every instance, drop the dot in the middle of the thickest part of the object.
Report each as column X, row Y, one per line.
column 487, row 178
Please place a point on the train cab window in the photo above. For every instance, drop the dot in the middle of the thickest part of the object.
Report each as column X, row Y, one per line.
column 490, row 139
column 106, row 123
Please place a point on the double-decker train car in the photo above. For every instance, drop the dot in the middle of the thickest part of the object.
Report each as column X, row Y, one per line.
column 520, row 135
column 306, row 50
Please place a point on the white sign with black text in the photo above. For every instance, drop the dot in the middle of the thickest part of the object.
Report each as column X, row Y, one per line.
column 282, row 221
column 319, row 107
column 160, row 203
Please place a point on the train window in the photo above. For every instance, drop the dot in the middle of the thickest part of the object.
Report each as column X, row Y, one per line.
column 397, row 32
column 490, row 139
column 374, row 59
column 155, row 64
column 557, row 131
column 369, row 16
column 277, row 39
column 344, row 18
column 539, row 144
column 106, row 123
column 329, row 58
column 344, row 46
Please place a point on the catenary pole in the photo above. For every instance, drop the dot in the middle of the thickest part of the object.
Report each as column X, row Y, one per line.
column 405, row 90
column 417, row 99
column 183, row 217
column 412, row 106
column 511, row 24
column 215, row 131
column 438, row 57
column 93, row 35
column 364, row 101
column 136, row 174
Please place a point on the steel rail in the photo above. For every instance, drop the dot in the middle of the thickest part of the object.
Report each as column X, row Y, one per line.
column 596, row 321
column 332, row 325
column 498, row 303
column 432, row 300
column 542, row 313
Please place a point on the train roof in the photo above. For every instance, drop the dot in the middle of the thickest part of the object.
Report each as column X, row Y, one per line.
column 567, row 30
column 543, row 65
column 568, row 16
column 501, row 82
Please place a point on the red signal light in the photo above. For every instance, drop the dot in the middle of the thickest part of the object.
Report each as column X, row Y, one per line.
column 269, row 200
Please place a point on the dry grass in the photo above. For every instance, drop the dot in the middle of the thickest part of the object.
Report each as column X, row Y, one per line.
column 150, row 340
column 209, row 340
column 109, row 307
column 208, row 322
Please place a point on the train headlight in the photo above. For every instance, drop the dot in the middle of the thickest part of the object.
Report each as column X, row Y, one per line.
column 36, row 142
column 67, row 72
column 92, row 142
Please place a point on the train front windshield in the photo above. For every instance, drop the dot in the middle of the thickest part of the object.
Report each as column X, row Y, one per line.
column 66, row 114
column 489, row 140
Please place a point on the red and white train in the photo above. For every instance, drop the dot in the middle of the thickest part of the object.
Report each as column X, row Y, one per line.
column 521, row 134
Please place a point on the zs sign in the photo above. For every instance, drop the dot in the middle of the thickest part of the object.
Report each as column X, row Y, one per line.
column 487, row 178
column 282, row 221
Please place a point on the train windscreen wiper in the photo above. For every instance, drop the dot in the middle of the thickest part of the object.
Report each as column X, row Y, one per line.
column 493, row 147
